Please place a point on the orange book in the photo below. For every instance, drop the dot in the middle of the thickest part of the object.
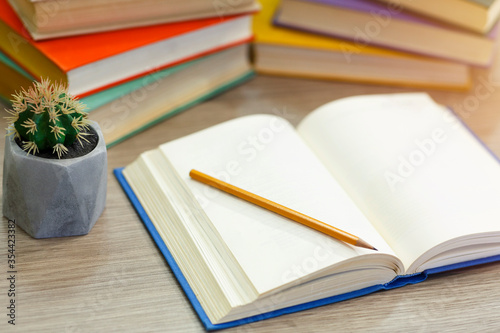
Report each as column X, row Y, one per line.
column 93, row 62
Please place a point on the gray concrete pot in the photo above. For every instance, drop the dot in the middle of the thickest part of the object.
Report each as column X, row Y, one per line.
column 52, row 197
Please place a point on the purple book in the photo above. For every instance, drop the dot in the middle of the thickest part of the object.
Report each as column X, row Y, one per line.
column 372, row 6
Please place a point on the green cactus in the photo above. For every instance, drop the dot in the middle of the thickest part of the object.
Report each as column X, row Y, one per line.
column 46, row 117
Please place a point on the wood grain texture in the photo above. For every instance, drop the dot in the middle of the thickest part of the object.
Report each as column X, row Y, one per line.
column 115, row 280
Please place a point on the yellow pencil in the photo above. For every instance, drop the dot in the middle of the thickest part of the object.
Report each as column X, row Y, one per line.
column 281, row 210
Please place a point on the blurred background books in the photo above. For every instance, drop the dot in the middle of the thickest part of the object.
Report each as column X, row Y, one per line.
column 151, row 59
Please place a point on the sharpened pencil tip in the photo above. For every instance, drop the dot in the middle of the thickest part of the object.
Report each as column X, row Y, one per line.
column 362, row 243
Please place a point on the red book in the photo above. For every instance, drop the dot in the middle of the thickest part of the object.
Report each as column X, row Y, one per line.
column 89, row 63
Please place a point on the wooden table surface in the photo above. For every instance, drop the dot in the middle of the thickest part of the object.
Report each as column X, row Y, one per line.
column 115, row 280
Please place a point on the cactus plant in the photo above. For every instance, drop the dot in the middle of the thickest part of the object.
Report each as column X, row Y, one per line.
column 46, row 117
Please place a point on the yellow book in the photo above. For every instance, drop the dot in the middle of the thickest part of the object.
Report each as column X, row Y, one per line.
column 286, row 52
column 15, row 80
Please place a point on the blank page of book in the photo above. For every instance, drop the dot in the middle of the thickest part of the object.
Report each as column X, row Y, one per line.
column 263, row 154
column 414, row 169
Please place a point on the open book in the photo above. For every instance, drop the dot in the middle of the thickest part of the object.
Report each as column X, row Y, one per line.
column 398, row 171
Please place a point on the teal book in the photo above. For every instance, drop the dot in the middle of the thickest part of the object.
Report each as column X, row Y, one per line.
column 10, row 63
column 133, row 106
column 399, row 171
column 168, row 92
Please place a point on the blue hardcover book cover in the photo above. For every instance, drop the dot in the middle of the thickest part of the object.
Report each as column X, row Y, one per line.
column 396, row 283
column 458, row 185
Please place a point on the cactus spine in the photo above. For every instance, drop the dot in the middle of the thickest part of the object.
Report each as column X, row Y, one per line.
column 46, row 117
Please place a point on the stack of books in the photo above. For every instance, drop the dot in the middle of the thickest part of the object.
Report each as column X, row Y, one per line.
column 145, row 62
column 430, row 44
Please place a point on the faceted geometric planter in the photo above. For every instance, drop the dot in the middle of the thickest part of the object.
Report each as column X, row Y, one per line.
column 54, row 197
